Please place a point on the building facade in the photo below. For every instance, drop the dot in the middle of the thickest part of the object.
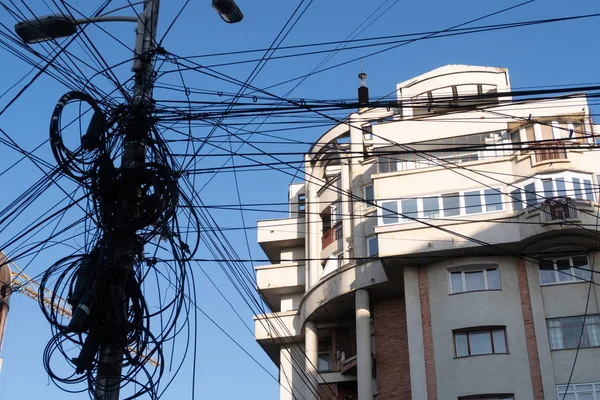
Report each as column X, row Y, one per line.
column 440, row 247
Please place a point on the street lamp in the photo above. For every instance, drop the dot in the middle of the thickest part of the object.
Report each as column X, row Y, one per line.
column 228, row 10
column 57, row 26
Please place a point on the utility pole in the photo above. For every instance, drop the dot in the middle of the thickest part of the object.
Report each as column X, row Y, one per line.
column 131, row 202
column 125, row 245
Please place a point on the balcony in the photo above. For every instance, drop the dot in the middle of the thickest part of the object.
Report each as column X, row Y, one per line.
column 558, row 209
column 276, row 280
column 331, row 235
column 550, row 151
column 277, row 326
column 274, row 234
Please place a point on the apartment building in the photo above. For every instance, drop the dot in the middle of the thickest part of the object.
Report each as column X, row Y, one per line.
column 440, row 247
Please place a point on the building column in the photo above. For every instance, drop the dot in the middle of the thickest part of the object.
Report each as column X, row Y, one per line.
column 313, row 235
column 312, row 359
column 356, row 182
column 346, row 198
column 363, row 346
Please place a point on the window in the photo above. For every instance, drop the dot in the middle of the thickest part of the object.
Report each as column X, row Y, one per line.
column 548, row 188
column 372, row 246
column 409, row 209
column 387, row 164
column 561, row 188
column 451, row 204
column 480, row 341
column 517, row 201
column 564, row 333
column 470, row 280
column 530, row 195
column 325, row 362
column 489, row 397
column 473, row 202
column 580, row 391
column 493, row 201
column 389, row 212
column 448, row 204
column 369, row 195
column 577, row 193
column 301, row 205
column 589, row 191
column 431, row 207
column 567, row 269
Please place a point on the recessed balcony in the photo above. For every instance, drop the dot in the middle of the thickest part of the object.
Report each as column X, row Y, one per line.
column 332, row 235
column 274, row 234
column 276, row 280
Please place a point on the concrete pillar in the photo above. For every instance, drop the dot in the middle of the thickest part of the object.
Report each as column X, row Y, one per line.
column 359, row 244
column 313, row 231
column 312, row 359
column 363, row 346
column 346, row 199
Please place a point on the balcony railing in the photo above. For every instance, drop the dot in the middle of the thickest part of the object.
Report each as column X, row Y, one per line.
column 559, row 209
column 550, row 151
column 333, row 234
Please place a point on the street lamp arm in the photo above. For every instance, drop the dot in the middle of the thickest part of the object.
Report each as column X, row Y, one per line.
column 107, row 18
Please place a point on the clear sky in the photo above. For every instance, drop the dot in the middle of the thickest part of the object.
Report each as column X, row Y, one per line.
column 538, row 56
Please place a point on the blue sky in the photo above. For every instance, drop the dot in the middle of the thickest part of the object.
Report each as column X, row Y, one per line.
column 539, row 56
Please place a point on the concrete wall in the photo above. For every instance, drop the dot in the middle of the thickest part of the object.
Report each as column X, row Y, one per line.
column 495, row 373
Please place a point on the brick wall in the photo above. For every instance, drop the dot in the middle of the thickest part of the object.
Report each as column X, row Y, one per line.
column 427, row 334
column 391, row 343
column 534, row 361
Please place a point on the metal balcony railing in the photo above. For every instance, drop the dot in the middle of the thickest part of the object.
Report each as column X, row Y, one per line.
column 551, row 151
column 333, row 234
column 558, row 209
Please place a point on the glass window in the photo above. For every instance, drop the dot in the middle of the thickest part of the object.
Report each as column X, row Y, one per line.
column 589, row 191
column 577, row 193
column 472, row 202
column 493, row 279
column 372, row 246
column 409, row 209
column 480, row 341
column 431, row 207
column 462, row 346
column 499, row 341
column 456, row 280
column 324, row 348
column 389, row 212
column 451, row 204
column 369, row 194
column 583, row 391
column 517, row 201
column 561, row 189
column 564, row 269
column 493, row 200
column 471, row 280
column 530, row 195
column 548, row 188
column 474, row 280
column 564, row 333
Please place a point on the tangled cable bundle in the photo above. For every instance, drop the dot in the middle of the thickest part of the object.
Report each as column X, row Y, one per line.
column 106, row 289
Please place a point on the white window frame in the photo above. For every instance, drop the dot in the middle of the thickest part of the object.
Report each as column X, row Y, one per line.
column 578, row 388
column 369, row 203
column 420, row 208
column 369, row 239
column 464, row 270
column 567, row 176
column 572, row 275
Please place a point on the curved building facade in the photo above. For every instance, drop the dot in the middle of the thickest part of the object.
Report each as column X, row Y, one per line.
column 440, row 248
